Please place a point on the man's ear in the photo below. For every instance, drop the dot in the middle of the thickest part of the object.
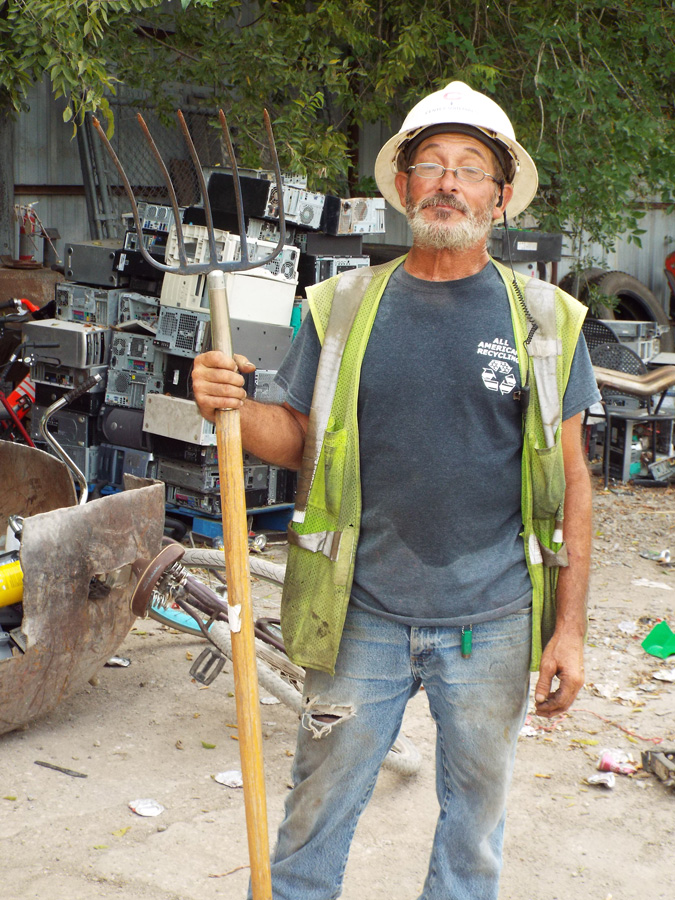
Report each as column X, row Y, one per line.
column 506, row 194
column 401, row 182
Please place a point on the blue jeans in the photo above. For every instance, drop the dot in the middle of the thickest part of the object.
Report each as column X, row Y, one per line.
column 351, row 720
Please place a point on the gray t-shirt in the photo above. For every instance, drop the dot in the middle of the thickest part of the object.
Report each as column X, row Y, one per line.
column 440, row 438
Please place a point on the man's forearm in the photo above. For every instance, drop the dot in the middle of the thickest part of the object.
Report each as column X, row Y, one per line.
column 272, row 432
column 572, row 590
column 275, row 433
column 563, row 656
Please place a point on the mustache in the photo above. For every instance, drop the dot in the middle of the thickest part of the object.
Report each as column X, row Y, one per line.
column 445, row 200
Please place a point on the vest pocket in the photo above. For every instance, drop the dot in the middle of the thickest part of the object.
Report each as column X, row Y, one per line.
column 313, row 608
column 330, row 472
column 548, row 481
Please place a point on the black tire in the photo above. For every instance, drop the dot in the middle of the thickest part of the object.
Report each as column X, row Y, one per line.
column 636, row 303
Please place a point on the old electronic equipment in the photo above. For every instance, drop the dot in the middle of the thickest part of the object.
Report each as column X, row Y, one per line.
column 260, row 200
column 259, row 296
column 204, row 478
column 68, row 376
column 264, row 344
column 258, row 229
column 116, row 462
column 87, row 304
column 283, row 266
column 314, row 269
column 92, row 262
column 136, row 273
column 71, row 429
column 261, row 386
column 183, row 332
column 182, row 450
column 134, row 307
column 178, row 376
column 46, row 394
column 358, row 215
column 153, row 241
column 255, row 486
column 319, row 244
column 77, row 345
column 177, row 418
column 123, row 426
column 85, row 458
column 136, row 369
column 153, row 217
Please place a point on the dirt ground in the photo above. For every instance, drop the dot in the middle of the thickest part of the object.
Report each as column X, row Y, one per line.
column 141, row 731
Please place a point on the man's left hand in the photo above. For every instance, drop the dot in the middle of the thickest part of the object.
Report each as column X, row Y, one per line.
column 563, row 657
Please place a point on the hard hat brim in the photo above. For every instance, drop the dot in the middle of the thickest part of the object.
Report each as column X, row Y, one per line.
column 525, row 182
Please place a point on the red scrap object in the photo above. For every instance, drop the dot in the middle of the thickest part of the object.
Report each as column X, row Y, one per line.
column 30, row 306
column 616, row 761
column 670, row 263
column 22, row 397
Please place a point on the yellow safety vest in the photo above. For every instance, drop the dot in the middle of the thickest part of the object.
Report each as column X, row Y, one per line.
column 324, row 532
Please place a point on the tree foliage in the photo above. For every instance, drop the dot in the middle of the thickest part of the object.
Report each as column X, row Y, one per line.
column 62, row 39
column 589, row 84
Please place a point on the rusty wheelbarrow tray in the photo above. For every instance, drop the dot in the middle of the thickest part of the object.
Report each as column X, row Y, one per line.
column 78, row 578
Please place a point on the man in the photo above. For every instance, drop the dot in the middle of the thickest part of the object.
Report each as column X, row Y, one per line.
column 427, row 533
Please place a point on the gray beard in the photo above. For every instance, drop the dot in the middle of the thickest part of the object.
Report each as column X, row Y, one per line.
column 469, row 233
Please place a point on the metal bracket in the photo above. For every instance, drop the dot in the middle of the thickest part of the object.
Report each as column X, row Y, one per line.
column 661, row 764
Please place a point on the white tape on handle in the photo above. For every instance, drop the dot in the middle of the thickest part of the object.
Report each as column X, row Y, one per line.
column 234, row 617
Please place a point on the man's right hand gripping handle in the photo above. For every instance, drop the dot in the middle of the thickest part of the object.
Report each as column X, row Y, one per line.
column 273, row 432
column 217, row 382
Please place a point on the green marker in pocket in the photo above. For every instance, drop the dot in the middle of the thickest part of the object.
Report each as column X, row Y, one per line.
column 467, row 641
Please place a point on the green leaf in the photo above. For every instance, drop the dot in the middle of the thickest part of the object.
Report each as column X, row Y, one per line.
column 208, row 746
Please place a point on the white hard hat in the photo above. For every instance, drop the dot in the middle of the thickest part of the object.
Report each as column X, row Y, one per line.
column 458, row 104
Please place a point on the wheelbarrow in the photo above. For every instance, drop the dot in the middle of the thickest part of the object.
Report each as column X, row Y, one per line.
column 77, row 579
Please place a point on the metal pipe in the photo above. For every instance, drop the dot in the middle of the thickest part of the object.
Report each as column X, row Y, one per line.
column 89, row 186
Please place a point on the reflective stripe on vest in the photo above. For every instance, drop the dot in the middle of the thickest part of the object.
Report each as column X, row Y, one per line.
column 326, row 542
column 349, row 293
column 545, row 348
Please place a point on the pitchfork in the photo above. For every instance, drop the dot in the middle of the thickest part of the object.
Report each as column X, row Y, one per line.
column 230, row 465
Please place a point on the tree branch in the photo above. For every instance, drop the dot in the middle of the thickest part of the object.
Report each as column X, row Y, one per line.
column 153, row 37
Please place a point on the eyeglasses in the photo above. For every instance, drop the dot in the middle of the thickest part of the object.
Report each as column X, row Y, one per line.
column 470, row 174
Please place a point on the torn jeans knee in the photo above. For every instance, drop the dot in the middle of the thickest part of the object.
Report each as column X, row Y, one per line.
column 319, row 717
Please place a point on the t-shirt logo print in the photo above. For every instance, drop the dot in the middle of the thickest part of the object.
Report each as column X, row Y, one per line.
column 498, row 374
column 492, row 382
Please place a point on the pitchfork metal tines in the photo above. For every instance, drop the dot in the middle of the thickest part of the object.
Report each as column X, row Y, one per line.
column 185, row 267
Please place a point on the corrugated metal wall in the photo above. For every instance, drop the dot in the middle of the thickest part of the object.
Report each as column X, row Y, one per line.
column 644, row 263
column 46, row 154
column 47, row 161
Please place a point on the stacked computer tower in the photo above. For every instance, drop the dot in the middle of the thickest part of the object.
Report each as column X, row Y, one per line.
column 140, row 329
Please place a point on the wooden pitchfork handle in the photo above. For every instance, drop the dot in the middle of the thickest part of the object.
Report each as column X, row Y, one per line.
column 230, row 465
column 240, row 608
